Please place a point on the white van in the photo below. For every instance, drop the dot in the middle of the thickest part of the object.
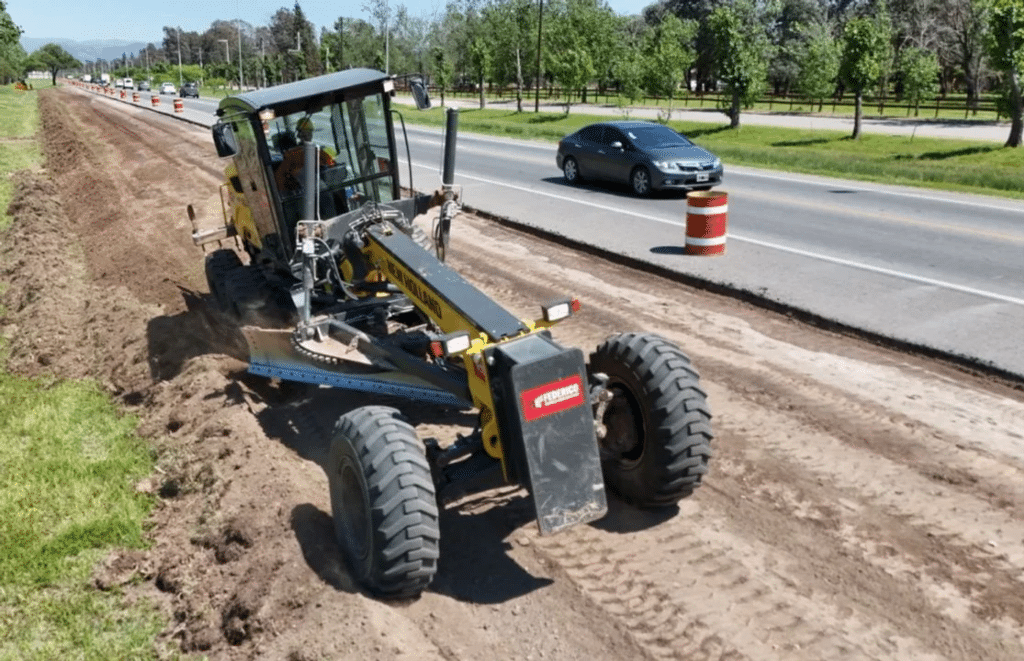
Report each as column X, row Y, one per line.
column 129, row 84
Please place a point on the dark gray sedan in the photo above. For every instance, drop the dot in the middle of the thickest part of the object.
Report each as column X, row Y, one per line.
column 644, row 155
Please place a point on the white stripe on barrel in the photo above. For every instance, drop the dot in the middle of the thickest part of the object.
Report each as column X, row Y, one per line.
column 707, row 219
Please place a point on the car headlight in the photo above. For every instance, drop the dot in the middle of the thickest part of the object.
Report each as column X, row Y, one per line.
column 717, row 163
column 665, row 166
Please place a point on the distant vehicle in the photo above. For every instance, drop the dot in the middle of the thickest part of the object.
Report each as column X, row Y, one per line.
column 104, row 79
column 87, row 78
column 118, row 82
column 143, row 85
column 189, row 90
column 645, row 155
column 129, row 84
column 168, row 88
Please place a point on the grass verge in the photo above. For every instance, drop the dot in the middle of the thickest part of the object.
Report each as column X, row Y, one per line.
column 958, row 165
column 68, row 465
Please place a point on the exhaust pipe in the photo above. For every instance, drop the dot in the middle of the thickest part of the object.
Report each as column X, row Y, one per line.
column 449, row 207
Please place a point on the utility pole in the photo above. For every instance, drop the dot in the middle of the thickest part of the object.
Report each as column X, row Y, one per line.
column 180, row 81
column 540, row 22
column 241, row 79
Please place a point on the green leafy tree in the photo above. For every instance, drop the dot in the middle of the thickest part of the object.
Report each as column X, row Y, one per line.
column 742, row 52
column 12, row 55
column 55, row 59
column 480, row 58
column 861, row 64
column 1006, row 52
column 668, row 55
column 443, row 71
column 572, row 68
column 629, row 71
column 919, row 71
column 819, row 64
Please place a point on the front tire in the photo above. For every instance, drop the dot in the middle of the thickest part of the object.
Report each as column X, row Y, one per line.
column 219, row 265
column 658, row 441
column 571, row 171
column 383, row 502
column 640, row 181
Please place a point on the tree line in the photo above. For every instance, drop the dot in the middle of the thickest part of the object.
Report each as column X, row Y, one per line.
column 818, row 49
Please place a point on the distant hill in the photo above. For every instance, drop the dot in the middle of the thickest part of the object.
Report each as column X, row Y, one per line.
column 83, row 51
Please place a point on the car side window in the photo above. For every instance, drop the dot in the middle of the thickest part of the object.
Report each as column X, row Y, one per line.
column 614, row 135
column 591, row 134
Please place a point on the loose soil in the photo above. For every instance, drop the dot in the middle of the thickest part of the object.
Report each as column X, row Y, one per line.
column 861, row 503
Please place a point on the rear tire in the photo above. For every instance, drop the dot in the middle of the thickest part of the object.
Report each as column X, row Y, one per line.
column 383, row 502
column 658, row 440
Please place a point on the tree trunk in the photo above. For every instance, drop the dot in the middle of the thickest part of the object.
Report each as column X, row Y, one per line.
column 857, row 112
column 483, row 100
column 519, row 83
column 1016, row 111
column 734, row 111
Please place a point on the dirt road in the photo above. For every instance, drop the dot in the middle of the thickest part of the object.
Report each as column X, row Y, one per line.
column 861, row 504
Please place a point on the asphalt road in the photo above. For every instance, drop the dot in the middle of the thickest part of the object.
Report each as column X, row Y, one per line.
column 942, row 271
column 935, row 270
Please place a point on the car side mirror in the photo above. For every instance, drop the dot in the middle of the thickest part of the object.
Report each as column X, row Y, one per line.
column 616, row 145
column 419, row 93
column 224, row 139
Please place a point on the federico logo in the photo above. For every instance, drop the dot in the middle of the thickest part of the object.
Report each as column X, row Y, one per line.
column 552, row 397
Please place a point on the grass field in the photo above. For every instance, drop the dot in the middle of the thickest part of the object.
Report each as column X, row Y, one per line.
column 69, row 461
column 958, row 165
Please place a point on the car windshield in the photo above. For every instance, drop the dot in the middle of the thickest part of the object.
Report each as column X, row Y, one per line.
column 656, row 136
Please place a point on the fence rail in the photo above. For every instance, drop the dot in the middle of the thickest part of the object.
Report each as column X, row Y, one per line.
column 948, row 107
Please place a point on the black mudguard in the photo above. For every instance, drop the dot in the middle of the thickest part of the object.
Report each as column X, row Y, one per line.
column 547, row 427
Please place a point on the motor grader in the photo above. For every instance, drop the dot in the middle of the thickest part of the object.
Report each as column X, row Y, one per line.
column 320, row 264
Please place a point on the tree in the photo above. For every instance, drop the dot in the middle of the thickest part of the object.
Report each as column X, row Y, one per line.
column 668, row 54
column 919, row 72
column 819, row 64
column 55, row 59
column 1006, row 51
column 967, row 22
column 741, row 54
column 442, row 70
column 861, row 62
column 12, row 55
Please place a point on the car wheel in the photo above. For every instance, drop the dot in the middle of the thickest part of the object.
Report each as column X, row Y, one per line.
column 640, row 180
column 571, row 170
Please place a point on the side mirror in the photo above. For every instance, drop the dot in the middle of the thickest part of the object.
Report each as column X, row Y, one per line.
column 419, row 93
column 224, row 139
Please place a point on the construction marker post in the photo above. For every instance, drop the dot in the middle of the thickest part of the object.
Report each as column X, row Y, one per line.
column 156, row 100
column 179, row 105
column 135, row 97
column 707, row 215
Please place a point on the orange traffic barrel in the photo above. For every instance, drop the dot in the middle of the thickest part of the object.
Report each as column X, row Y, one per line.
column 707, row 216
column 179, row 105
column 156, row 100
column 135, row 97
column 124, row 95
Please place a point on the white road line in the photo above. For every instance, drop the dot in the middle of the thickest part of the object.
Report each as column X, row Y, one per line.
column 764, row 244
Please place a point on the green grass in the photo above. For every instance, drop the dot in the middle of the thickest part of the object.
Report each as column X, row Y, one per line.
column 958, row 165
column 17, row 148
column 68, row 465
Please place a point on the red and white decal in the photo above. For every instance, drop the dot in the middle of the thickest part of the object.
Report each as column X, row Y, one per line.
column 552, row 397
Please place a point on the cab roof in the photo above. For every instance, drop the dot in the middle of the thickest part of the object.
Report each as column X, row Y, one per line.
column 300, row 94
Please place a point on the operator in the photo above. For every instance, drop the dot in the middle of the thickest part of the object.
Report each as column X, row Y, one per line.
column 289, row 173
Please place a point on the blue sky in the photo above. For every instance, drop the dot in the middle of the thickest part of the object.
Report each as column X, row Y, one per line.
column 138, row 21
